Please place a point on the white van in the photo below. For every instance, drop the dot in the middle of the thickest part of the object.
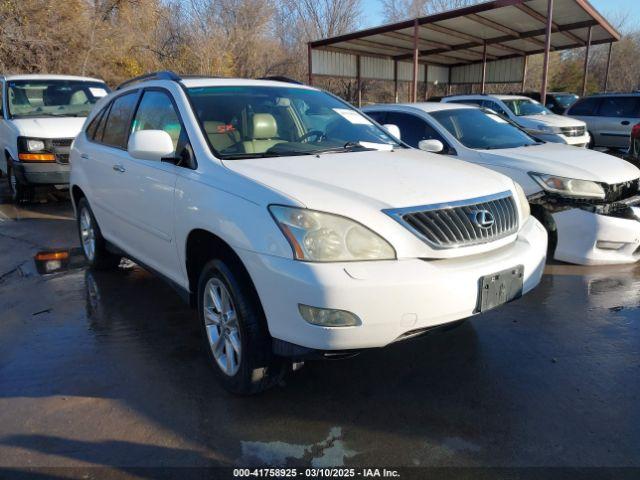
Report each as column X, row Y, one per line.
column 40, row 115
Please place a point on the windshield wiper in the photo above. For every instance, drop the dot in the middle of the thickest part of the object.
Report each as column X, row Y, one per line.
column 240, row 156
column 347, row 147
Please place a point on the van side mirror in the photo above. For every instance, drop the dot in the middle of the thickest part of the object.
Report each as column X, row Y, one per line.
column 393, row 130
column 150, row 145
column 432, row 146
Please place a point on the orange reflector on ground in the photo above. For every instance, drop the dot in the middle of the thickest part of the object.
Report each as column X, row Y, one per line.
column 45, row 256
column 37, row 157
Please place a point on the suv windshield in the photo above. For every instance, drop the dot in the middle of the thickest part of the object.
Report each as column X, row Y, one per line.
column 485, row 131
column 53, row 98
column 263, row 121
column 525, row 106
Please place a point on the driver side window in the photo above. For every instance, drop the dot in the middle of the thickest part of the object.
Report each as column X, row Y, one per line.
column 413, row 129
column 156, row 112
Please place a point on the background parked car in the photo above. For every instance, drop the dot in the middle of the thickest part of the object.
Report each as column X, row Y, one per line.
column 40, row 115
column 557, row 102
column 609, row 117
column 533, row 117
column 587, row 200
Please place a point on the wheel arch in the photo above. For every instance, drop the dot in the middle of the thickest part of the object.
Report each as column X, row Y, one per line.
column 76, row 195
column 200, row 247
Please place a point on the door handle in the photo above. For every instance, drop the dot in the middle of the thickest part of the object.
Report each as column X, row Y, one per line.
column 626, row 122
column 85, row 156
column 119, row 168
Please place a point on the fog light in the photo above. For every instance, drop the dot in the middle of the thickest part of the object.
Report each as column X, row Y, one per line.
column 327, row 317
column 603, row 245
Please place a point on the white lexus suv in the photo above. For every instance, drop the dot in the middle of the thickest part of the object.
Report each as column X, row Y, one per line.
column 296, row 225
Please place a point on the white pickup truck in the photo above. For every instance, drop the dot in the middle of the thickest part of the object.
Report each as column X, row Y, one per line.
column 296, row 225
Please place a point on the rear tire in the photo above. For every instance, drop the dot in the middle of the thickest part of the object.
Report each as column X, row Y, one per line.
column 592, row 144
column 93, row 244
column 18, row 191
column 234, row 331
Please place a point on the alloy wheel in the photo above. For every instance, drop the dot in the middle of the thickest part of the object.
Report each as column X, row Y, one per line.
column 221, row 324
column 87, row 234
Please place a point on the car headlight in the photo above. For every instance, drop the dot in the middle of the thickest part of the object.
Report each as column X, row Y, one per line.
column 324, row 237
column 569, row 187
column 548, row 129
column 34, row 145
column 523, row 203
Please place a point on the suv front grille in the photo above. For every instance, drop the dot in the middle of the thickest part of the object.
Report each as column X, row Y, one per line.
column 621, row 191
column 573, row 131
column 459, row 224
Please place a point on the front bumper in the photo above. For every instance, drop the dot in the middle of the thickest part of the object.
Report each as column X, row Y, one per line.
column 581, row 141
column 390, row 297
column 42, row 173
column 579, row 231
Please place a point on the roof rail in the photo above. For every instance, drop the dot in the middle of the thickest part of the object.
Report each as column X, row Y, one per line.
column 161, row 75
column 280, row 78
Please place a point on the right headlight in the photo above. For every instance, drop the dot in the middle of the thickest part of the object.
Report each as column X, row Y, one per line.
column 523, row 203
column 324, row 237
column 569, row 187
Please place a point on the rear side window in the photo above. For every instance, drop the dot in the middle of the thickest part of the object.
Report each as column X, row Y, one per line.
column 495, row 107
column 377, row 116
column 619, row 107
column 116, row 128
column 584, row 107
column 468, row 101
column 93, row 125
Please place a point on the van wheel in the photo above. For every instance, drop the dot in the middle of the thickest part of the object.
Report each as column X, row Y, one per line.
column 18, row 191
column 233, row 326
column 592, row 144
column 93, row 244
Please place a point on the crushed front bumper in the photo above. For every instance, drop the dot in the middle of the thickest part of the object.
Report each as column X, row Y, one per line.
column 598, row 234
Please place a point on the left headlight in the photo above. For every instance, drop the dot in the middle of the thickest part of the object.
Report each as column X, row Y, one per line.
column 569, row 187
column 324, row 237
column 523, row 203
column 34, row 145
column 548, row 129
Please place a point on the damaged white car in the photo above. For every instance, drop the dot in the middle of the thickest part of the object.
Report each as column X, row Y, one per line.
column 588, row 201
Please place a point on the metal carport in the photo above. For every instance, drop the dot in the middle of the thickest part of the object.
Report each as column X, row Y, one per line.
column 485, row 43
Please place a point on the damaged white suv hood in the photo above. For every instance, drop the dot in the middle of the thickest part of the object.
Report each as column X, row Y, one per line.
column 560, row 160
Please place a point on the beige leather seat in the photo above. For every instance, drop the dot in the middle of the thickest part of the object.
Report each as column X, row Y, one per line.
column 220, row 136
column 264, row 133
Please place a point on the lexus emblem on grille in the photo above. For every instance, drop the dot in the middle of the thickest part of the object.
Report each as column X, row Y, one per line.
column 482, row 218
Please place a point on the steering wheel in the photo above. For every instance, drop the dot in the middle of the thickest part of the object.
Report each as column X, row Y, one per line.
column 305, row 137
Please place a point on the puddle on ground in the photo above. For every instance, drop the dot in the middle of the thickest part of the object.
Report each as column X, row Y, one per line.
column 331, row 452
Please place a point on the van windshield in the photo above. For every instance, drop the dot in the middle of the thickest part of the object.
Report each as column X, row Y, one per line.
column 264, row 121
column 53, row 98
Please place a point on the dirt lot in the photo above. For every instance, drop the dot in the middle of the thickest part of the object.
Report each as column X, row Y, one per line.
column 106, row 370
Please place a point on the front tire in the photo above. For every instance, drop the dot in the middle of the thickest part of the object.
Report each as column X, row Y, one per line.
column 18, row 191
column 233, row 326
column 92, row 242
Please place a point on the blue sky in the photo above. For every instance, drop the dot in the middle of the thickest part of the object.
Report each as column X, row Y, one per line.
column 373, row 11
